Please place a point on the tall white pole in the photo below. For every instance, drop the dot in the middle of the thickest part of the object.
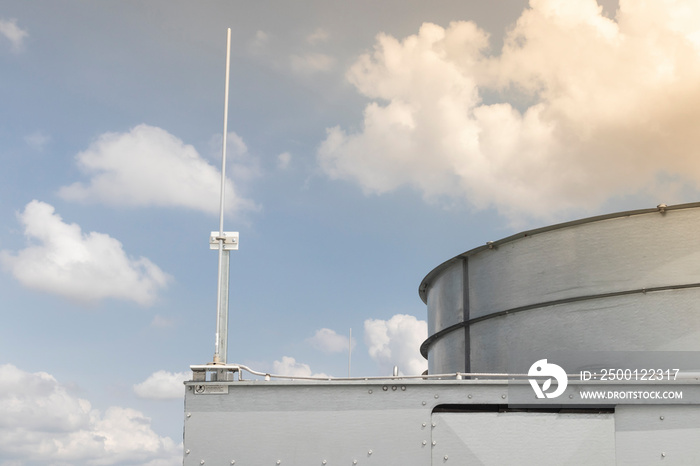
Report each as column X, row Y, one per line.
column 349, row 351
column 220, row 349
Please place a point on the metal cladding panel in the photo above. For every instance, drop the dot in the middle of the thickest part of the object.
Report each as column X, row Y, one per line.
column 307, row 424
column 448, row 354
column 543, row 439
column 445, row 299
column 659, row 321
column 618, row 254
column 666, row 435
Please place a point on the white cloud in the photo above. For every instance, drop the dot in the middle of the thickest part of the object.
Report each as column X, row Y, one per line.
column 148, row 166
column 318, row 36
column 87, row 267
column 290, row 367
column 160, row 321
column 283, row 160
column 37, row 140
column 396, row 342
column 310, row 63
column 13, row 33
column 582, row 108
column 163, row 385
column 260, row 40
column 43, row 423
column 328, row 341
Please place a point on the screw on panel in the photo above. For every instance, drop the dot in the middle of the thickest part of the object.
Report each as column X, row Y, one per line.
column 393, row 387
column 189, row 414
column 434, row 443
column 385, row 388
column 201, row 462
column 503, row 396
column 369, row 391
column 469, row 396
column 369, row 452
column 662, row 208
column 403, row 388
column 279, row 461
column 433, row 424
column 445, row 457
column 354, row 461
column 571, row 397
column 323, row 462
column 424, row 403
column 423, row 424
column 663, row 455
column 233, row 461
column 437, row 396
column 661, row 417
column 187, row 452
column 424, row 443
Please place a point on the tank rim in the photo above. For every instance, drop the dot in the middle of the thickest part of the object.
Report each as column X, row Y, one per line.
column 523, row 234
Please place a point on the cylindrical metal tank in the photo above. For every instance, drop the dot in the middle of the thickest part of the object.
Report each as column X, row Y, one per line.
column 628, row 281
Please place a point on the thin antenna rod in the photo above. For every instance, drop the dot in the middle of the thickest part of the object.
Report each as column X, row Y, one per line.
column 222, row 314
column 349, row 351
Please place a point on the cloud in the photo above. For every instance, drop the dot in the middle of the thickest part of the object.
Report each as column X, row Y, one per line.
column 162, row 322
column 86, row 267
column 396, row 342
column 318, row 36
column 328, row 341
column 163, row 385
column 42, row 423
column 37, row 140
column 260, row 41
column 290, row 367
column 13, row 33
column 310, row 63
column 148, row 166
column 576, row 109
column 283, row 160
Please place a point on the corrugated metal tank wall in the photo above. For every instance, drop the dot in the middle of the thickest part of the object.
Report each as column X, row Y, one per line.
column 621, row 282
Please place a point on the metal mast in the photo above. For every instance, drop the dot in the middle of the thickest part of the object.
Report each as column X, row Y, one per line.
column 221, row 240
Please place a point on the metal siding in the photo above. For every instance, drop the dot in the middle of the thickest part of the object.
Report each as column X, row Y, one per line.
column 543, row 439
column 446, row 298
column 660, row 321
column 667, row 435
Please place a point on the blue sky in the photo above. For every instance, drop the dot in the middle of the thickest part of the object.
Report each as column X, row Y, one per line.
column 368, row 143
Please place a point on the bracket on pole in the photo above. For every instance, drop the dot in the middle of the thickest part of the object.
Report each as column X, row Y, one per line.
column 230, row 240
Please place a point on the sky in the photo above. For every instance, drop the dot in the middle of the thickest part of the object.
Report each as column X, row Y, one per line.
column 367, row 143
